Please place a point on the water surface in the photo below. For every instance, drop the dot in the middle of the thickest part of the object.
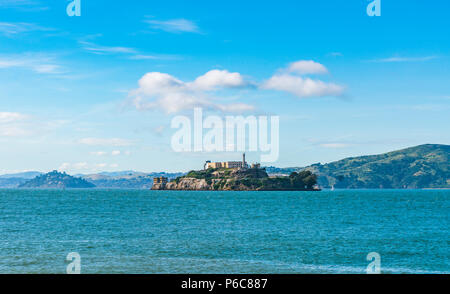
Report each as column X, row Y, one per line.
column 131, row 231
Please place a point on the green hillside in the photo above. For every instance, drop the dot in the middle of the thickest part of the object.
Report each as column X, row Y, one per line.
column 424, row 166
column 56, row 180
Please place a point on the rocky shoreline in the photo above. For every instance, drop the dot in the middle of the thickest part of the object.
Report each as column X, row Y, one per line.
column 255, row 179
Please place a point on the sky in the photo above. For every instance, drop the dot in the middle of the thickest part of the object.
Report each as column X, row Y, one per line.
column 98, row 92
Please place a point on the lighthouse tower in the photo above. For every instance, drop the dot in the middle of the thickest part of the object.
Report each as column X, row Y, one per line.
column 244, row 164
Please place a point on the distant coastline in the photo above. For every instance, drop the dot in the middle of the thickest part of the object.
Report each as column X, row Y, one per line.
column 421, row 167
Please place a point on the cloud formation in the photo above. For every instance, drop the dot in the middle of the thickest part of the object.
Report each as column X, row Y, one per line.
column 304, row 67
column 302, row 87
column 38, row 63
column 291, row 80
column 180, row 25
column 215, row 79
column 131, row 53
column 97, row 49
column 13, row 124
column 105, row 142
column 85, row 167
column 15, row 28
column 161, row 90
column 8, row 117
column 404, row 59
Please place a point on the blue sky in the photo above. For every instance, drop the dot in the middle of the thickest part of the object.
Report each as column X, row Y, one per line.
column 69, row 85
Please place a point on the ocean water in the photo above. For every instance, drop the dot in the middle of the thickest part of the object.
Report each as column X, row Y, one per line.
column 132, row 231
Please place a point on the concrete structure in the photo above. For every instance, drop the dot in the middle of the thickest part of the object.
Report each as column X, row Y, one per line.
column 160, row 182
column 227, row 164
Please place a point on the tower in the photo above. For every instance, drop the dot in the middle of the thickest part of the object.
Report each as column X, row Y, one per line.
column 244, row 165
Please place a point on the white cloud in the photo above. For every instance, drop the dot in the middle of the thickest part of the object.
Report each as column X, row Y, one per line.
column 115, row 153
column 130, row 53
column 97, row 49
column 13, row 131
column 302, row 87
column 174, row 25
column 404, row 59
column 15, row 28
column 13, row 124
column 143, row 57
column 291, row 80
column 99, row 153
column 86, row 167
column 25, row 5
column 101, row 165
column 73, row 166
column 38, row 63
column 105, row 142
column 218, row 79
column 7, row 117
column 307, row 67
column 163, row 91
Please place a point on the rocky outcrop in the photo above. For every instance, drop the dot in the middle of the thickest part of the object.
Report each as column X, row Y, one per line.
column 254, row 179
column 188, row 184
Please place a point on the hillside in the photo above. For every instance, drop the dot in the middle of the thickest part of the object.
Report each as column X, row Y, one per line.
column 126, row 180
column 56, row 180
column 24, row 175
column 424, row 166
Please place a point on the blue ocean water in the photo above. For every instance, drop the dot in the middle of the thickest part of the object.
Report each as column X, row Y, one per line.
column 130, row 231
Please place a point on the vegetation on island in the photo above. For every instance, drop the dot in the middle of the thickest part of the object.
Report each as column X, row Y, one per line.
column 420, row 167
column 126, row 179
column 253, row 179
column 56, row 180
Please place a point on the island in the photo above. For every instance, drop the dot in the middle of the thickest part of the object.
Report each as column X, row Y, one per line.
column 56, row 180
column 237, row 176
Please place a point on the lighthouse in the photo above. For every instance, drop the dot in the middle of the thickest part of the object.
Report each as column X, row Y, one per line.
column 244, row 165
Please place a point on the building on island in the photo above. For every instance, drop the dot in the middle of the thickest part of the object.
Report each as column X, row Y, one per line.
column 160, row 182
column 227, row 164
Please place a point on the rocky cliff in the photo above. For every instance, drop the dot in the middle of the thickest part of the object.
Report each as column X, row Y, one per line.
column 254, row 179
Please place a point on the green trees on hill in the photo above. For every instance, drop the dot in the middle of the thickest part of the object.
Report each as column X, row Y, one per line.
column 303, row 179
column 57, row 180
column 252, row 179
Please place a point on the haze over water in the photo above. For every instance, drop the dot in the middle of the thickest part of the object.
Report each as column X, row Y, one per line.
column 132, row 231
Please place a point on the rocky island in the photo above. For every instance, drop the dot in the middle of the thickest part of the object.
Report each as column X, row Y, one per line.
column 237, row 176
column 57, row 180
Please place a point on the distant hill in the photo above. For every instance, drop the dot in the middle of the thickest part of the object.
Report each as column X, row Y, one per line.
column 114, row 180
column 56, row 180
column 126, row 179
column 424, row 166
column 11, row 183
column 25, row 175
